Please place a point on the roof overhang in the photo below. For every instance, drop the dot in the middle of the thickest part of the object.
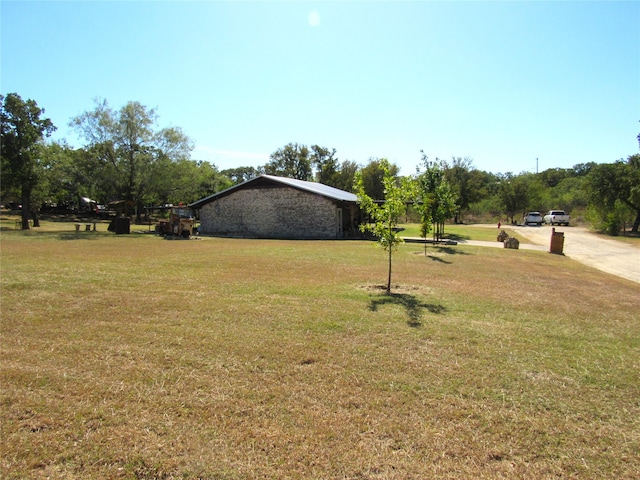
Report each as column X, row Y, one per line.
column 273, row 181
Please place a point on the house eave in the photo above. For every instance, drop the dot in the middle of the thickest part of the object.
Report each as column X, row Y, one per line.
column 334, row 194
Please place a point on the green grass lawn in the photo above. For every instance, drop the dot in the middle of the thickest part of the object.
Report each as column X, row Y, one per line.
column 136, row 357
column 460, row 232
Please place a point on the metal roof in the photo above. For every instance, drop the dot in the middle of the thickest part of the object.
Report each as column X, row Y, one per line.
column 315, row 187
column 312, row 187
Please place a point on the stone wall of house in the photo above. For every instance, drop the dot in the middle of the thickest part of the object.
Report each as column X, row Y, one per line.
column 278, row 212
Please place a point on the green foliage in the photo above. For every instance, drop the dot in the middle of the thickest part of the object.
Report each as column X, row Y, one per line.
column 22, row 131
column 298, row 161
column 130, row 149
column 127, row 156
column 435, row 201
column 614, row 194
column 240, row 174
column 373, row 174
column 466, row 183
column 292, row 161
column 326, row 164
column 514, row 195
column 609, row 221
column 489, row 207
column 184, row 181
column 74, row 173
column 535, row 192
column 346, row 175
column 384, row 216
column 329, row 170
column 569, row 194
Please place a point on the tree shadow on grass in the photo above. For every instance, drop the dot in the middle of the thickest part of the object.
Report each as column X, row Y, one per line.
column 457, row 237
column 79, row 236
column 82, row 235
column 437, row 253
column 414, row 307
column 449, row 250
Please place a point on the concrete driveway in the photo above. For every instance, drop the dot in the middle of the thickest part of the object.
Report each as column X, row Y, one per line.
column 608, row 255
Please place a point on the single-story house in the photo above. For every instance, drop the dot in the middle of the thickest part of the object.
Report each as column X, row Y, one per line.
column 277, row 207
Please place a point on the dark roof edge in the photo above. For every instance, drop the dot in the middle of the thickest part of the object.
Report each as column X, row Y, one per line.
column 202, row 201
column 310, row 187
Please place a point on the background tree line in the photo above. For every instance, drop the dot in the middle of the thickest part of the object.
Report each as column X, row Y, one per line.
column 128, row 157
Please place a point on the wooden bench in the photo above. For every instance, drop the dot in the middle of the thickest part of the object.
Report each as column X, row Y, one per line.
column 19, row 224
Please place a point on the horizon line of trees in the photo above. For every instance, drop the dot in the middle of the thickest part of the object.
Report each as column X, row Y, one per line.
column 129, row 157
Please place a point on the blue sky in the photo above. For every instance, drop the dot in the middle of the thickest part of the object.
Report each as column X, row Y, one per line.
column 504, row 83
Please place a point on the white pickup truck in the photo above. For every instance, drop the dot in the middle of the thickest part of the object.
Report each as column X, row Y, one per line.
column 557, row 217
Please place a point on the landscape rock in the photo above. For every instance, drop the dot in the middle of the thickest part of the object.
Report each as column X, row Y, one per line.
column 512, row 242
column 502, row 236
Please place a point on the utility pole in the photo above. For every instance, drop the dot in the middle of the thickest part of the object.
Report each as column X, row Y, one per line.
column 536, row 165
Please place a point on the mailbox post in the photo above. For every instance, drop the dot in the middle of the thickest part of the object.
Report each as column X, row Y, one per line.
column 557, row 242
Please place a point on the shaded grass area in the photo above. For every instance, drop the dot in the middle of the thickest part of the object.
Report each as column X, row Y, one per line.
column 134, row 357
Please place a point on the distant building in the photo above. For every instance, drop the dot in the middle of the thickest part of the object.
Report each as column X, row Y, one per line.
column 279, row 207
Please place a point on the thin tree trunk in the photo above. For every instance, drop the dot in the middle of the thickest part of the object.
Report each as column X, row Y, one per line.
column 26, row 207
column 36, row 219
column 390, row 252
column 389, row 279
column 636, row 224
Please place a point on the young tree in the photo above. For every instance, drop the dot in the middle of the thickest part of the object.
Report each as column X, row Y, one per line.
column 128, row 145
column 435, row 202
column 384, row 216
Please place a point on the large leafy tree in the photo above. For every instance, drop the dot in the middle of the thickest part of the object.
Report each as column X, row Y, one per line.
column 373, row 174
column 384, row 216
column 292, row 161
column 330, row 171
column 129, row 145
column 326, row 164
column 535, row 191
column 23, row 130
column 346, row 175
column 614, row 188
column 185, row 181
column 240, row 174
column 553, row 176
column 70, row 174
column 465, row 184
column 513, row 194
column 208, row 180
column 563, row 187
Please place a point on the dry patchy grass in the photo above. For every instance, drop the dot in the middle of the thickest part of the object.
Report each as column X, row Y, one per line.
column 139, row 358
